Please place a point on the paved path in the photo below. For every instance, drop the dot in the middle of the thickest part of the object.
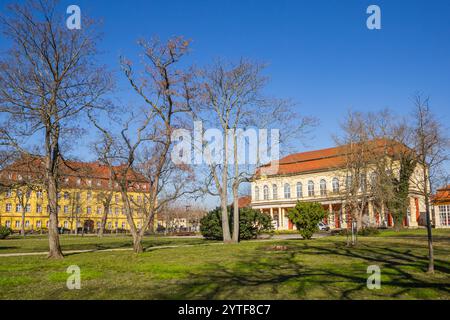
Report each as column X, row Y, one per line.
column 68, row 252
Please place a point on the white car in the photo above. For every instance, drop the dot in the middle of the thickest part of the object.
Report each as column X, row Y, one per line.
column 323, row 227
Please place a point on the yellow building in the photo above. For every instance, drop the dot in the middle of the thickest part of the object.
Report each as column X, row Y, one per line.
column 83, row 191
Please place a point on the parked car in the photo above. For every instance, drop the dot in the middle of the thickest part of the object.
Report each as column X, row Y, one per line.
column 323, row 227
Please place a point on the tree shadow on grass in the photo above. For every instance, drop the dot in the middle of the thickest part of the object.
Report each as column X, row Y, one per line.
column 292, row 275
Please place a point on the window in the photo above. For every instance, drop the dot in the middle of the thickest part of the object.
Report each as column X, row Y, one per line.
column 275, row 191
column 139, row 199
column 310, row 189
column 99, row 183
column 38, row 224
column 89, row 182
column 17, row 224
column 116, row 198
column 38, row 208
column 27, row 223
column 323, row 187
column 444, row 215
column 66, row 196
column 78, row 209
column 89, row 195
column 28, row 208
column 48, row 208
column 78, row 181
column 58, row 195
column 287, row 191
column 299, row 190
column 266, row 192
column 66, row 224
column 39, row 194
column 66, row 209
column 98, row 225
column 348, row 182
column 109, row 210
column 99, row 210
column 256, row 193
column 363, row 182
column 123, row 225
column 116, row 224
column 88, row 210
column 8, row 207
column 47, row 224
column 8, row 224
column 18, row 207
column 8, row 193
column 58, row 209
column 109, row 225
column 116, row 211
column 335, row 185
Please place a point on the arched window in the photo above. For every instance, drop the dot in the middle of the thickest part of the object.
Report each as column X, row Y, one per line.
column 363, row 182
column 275, row 191
column 323, row 187
column 256, row 194
column 373, row 180
column 287, row 191
column 266, row 192
column 348, row 182
column 310, row 189
column 299, row 190
column 335, row 185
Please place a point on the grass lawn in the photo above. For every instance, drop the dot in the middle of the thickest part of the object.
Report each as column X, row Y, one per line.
column 39, row 243
column 316, row 269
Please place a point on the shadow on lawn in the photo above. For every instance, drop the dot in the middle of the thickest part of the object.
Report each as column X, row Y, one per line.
column 286, row 276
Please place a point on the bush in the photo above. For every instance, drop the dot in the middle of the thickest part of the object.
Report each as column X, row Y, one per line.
column 251, row 224
column 4, row 232
column 306, row 216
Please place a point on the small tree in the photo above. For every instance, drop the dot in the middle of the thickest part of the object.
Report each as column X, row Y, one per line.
column 306, row 217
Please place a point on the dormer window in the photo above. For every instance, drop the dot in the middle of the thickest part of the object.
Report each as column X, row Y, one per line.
column 89, row 182
column 78, row 181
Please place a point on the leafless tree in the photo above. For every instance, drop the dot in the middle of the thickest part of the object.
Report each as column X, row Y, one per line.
column 140, row 153
column 358, row 154
column 231, row 98
column 431, row 145
column 47, row 78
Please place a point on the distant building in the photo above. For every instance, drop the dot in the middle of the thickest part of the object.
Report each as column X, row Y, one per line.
column 441, row 206
column 82, row 188
column 320, row 176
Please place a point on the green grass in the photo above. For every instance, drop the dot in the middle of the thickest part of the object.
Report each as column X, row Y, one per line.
column 39, row 243
column 316, row 269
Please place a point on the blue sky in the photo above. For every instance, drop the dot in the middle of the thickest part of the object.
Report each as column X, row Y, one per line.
column 320, row 53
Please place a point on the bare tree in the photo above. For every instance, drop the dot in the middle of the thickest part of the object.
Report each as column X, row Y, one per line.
column 139, row 155
column 47, row 79
column 431, row 146
column 231, row 98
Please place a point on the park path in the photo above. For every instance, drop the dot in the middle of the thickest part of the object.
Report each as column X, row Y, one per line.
column 68, row 252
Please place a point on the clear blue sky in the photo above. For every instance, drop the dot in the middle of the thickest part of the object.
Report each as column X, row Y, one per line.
column 320, row 53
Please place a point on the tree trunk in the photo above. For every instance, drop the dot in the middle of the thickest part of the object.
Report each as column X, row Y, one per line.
column 224, row 193
column 51, row 164
column 103, row 222
column 53, row 236
column 235, row 191
column 22, row 229
column 430, row 237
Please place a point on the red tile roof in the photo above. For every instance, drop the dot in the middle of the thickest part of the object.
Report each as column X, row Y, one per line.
column 442, row 195
column 324, row 159
column 71, row 171
column 244, row 202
